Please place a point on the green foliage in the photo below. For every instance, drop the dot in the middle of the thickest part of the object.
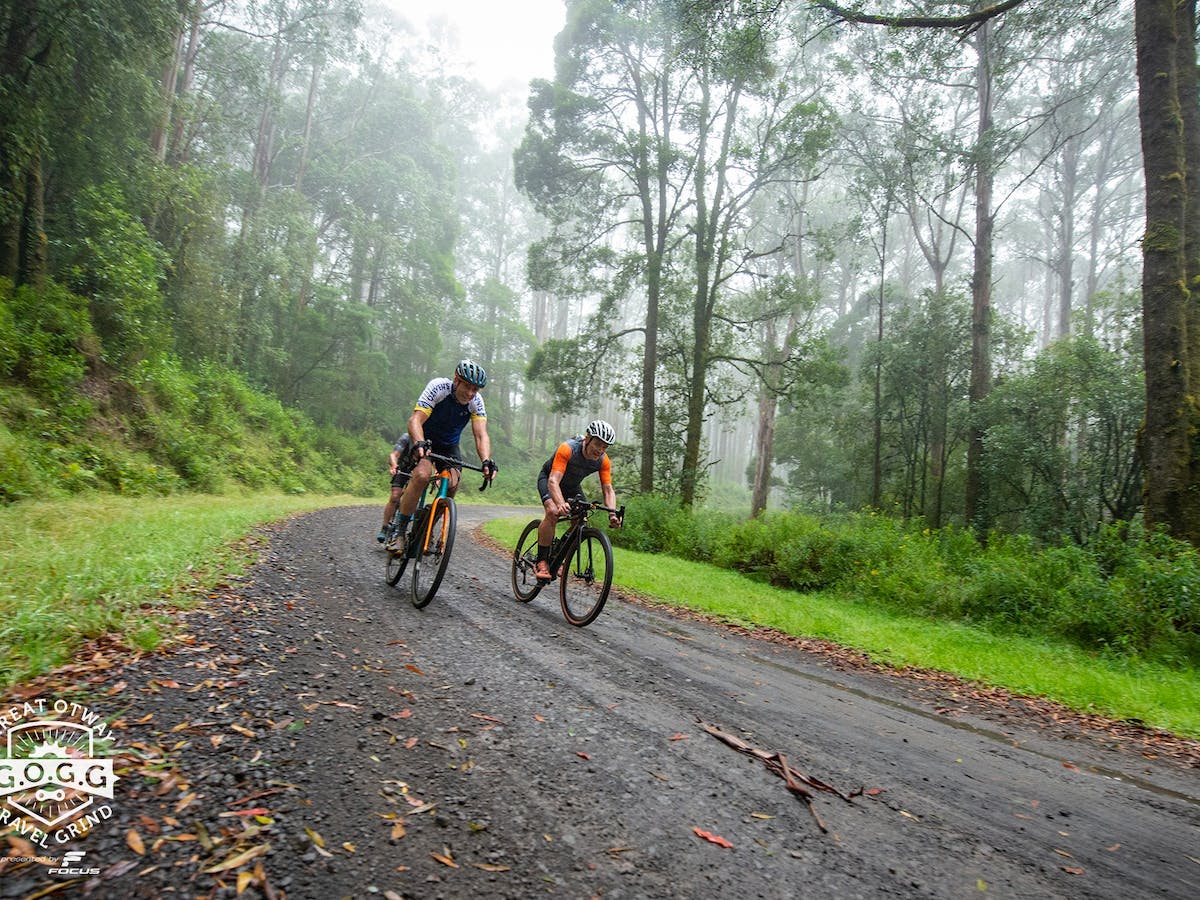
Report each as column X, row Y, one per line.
column 119, row 268
column 1127, row 593
column 47, row 331
column 168, row 428
column 1061, row 440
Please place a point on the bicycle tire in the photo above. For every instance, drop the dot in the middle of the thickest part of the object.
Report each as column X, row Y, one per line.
column 586, row 578
column 396, row 564
column 524, row 583
column 429, row 564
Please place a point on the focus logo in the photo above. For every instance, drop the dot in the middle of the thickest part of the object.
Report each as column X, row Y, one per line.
column 72, row 864
column 52, row 771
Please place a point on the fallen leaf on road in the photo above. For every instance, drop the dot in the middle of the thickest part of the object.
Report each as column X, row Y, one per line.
column 413, row 668
column 678, row 736
column 238, row 859
column 714, row 838
column 1072, row 870
column 489, row 867
column 398, row 830
column 134, row 840
column 1063, row 853
column 445, row 860
column 581, row 754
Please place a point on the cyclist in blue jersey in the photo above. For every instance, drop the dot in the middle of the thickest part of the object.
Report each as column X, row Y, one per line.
column 435, row 426
column 561, row 478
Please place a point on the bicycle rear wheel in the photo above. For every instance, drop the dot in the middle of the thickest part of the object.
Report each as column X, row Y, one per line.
column 586, row 577
column 429, row 565
column 524, row 583
column 396, row 564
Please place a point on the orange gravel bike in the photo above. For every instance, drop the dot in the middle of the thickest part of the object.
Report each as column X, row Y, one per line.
column 431, row 534
column 581, row 558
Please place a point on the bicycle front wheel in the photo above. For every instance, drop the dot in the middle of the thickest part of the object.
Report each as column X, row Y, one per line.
column 437, row 540
column 586, row 577
column 524, row 582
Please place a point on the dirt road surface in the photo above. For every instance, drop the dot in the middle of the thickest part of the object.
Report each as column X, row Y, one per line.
column 318, row 737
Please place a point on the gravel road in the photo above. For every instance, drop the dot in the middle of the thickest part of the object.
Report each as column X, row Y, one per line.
column 318, row 737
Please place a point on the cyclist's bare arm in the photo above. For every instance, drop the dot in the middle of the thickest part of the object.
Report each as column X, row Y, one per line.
column 416, row 426
column 610, row 500
column 561, row 506
column 483, row 443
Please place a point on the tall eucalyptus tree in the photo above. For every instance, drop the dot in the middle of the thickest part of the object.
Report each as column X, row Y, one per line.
column 668, row 117
column 599, row 156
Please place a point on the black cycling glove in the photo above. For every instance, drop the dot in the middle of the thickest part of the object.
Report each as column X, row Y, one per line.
column 490, row 469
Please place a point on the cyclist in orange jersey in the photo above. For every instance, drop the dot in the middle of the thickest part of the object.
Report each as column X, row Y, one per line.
column 561, row 477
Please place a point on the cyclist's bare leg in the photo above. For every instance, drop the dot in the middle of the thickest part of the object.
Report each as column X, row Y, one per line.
column 421, row 473
column 546, row 527
column 393, row 502
column 545, row 536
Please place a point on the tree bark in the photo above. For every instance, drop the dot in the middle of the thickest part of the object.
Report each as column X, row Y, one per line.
column 976, row 510
column 1167, row 437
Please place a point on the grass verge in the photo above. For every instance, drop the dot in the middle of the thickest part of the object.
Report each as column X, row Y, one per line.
column 93, row 565
column 1123, row 689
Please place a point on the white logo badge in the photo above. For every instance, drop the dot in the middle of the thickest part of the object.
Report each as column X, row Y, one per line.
column 55, row 767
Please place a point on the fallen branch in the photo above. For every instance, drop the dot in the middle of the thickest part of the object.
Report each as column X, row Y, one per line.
column 776, row 762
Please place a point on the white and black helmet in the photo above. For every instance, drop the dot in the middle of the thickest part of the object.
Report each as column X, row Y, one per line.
column 602, row 430
column 471, row 372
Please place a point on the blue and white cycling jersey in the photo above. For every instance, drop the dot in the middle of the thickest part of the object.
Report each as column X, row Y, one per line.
column 447, row 417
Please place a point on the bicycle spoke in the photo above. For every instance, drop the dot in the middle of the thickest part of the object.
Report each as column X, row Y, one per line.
column 586, row 578
column 524, row 582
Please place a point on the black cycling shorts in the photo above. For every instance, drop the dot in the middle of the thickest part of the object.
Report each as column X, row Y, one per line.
column 568, row 490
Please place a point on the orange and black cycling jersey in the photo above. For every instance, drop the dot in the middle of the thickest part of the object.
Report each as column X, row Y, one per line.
column 569, row 460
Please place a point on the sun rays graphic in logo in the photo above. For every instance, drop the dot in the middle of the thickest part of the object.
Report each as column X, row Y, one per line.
column 52, row 772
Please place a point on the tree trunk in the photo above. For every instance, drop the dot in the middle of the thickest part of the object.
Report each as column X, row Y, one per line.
column 877, row 412
column 976, row 510
column 34, row 245
column 764, row 445
column 1066, row 236
column 177, row 153
column 1166, row 442
column 306, row 135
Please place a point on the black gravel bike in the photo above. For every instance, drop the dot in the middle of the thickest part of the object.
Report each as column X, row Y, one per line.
column 430, row 536
column 581, row 558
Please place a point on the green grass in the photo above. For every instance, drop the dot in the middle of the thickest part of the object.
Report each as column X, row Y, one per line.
column 1160, row 697
column 92, row 565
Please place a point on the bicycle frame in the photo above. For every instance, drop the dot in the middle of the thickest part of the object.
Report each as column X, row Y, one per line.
column 440, row 492
column 429, row 551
